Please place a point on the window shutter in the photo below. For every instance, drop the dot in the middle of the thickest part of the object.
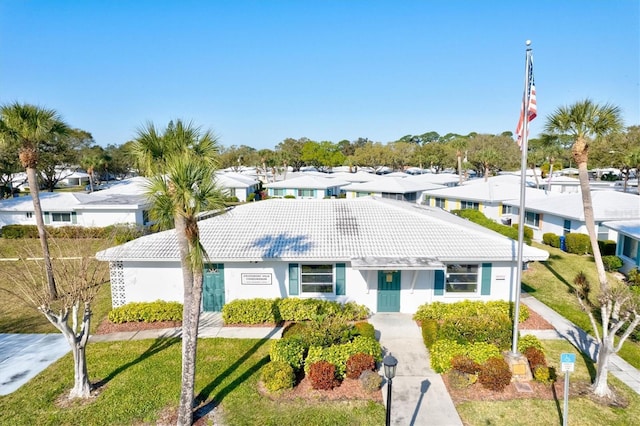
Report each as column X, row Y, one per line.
column 485, row 289
column 74, row 218
column 438, row 285
column 47, row 218
column 341, row 287
column 294, row 287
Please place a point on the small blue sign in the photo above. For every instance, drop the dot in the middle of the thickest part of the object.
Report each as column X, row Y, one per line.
column 568, row 358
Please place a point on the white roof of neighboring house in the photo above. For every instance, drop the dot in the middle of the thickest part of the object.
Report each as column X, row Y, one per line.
column 234, row 180
column 494, row 190
column 366, row 231
column 70, row 201
column 133, row 186
column 355, row 177
column 392, row 185
column 607, row 205
column 627, row 227
column 439, row 178
column 307, row 182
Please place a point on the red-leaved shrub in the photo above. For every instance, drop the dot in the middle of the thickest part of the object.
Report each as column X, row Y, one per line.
column 357, row 363
column 495, row 374
column 323, row 375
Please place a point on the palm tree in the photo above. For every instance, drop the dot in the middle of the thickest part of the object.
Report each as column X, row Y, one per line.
column 183, row 163
column 584, row 120
column 27, row 127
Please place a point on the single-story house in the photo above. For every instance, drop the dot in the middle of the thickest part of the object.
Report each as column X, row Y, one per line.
column 395, row 188
column 561, row 214
column 627, row 243
column 76, row 208
column 237, row 185
column 389, row 255
column 306, row 186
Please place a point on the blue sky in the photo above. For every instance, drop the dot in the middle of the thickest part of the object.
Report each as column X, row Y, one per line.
column 257, row 72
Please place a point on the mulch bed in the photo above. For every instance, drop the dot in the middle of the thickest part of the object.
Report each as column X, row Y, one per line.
column 349, row 389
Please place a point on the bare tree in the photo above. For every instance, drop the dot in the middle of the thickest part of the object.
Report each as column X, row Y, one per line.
column 78, row 280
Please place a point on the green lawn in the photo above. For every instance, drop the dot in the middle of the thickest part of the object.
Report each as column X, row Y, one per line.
column 141, row 385
column 551, row 282
column 532, row 412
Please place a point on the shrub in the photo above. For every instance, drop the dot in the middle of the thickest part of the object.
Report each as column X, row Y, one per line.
column 322, row 375
column 370, row 380
column 461, row 380
column 607, row 247
column 440, row 311
column 19, row 231
column 290, row 351
column 353, row 311
column 429, row 332
column 535, row 357
column 442, row 352
column 358, row 363
column 251, row 311
column 479, row 218
column 329, row 330
column 147, row 312
column 339, row 354
column 528, row 233
column 578, row 243
column 612, row 263
column 494, row 329
column 480, row 352
column 544, row 374
column 289, row 196
column 529, row 341
column 464, row 364
column 495, row 374
column 365, row 329
column 633, row 277
column 277, row 375
column 551, row 239
column 294, row 309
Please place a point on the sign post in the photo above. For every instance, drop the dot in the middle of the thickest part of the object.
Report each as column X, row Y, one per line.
column 567, row 364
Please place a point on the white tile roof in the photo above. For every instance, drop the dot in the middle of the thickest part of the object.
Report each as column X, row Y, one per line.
column 607, row 205
column 71, row 201
column 628, row 227
column 491, row 191
column 308, row 182
column 336, row 230
column 394, row 185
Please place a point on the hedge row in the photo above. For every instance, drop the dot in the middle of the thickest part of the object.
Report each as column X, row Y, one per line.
column 508, row 231
column 339, row 354
column 147, row 312
column 120, row 233
column 440, row 311
column 270, row 311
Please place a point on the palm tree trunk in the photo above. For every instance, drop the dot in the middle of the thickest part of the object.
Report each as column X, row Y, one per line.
column 459, row 155
column 535, row 175
column 589, row 222
column 42, row 233
column 189, row 327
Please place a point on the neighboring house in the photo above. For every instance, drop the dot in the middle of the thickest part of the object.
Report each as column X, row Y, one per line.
column 488, row 197
column 237, row 185
column 627, row 242
column 303, row 186
column 388, row 255
column 561, row 214
column 74, row 178
column 446, row 179
column 395, row 188
column 75, row 208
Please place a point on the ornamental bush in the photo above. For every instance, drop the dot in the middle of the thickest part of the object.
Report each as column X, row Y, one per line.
column 612, row 263
column 551, row 239
column 529, row 341
column 544, row 374
column 339, row 354
column 251, row 311
column 370, row 381
column 429, row 329
column 290, row 351
column 495, row 374
column 578, row 243
column 322, row 375
column 147, row 312
column 277, row 375
column 365, row 329
column 358, row 363
column 440, row 311
column 494, row 329
column 535, row 357
column 480, row 352
column 464, row 364
column 461, row 380
column 442, row 352
column 607, row 247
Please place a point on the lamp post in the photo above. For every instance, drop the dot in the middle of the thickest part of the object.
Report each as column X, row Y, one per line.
column 389, row 363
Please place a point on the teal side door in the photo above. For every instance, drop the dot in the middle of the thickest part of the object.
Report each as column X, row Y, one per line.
column 213, row 288
column 388, row 291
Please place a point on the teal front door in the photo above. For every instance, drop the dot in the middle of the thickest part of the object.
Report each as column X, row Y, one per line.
column 388, row 291
column 213, row 288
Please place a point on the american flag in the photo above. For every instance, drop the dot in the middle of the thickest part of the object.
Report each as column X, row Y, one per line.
column 531, row 101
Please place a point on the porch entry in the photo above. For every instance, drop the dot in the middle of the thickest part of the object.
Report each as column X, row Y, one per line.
column 388, row 291
column 213, row 287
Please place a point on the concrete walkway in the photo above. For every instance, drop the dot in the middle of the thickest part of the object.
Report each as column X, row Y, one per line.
column 565, row 329
column 419, row 396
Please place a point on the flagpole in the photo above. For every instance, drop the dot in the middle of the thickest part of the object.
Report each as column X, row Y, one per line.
column 526, row 98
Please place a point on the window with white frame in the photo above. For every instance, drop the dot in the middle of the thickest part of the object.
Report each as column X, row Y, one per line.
column 507, row 209
column 316, row 279
column 439, row 202
column 362, row 194
column 462, row 278
column 532, row 219
column 61, row 217
column 603, row 233
column 278, row 192
column 470, row 205
column 305, row 192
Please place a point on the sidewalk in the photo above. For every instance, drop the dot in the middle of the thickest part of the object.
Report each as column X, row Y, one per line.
column 565, row 329
column 419, row 396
